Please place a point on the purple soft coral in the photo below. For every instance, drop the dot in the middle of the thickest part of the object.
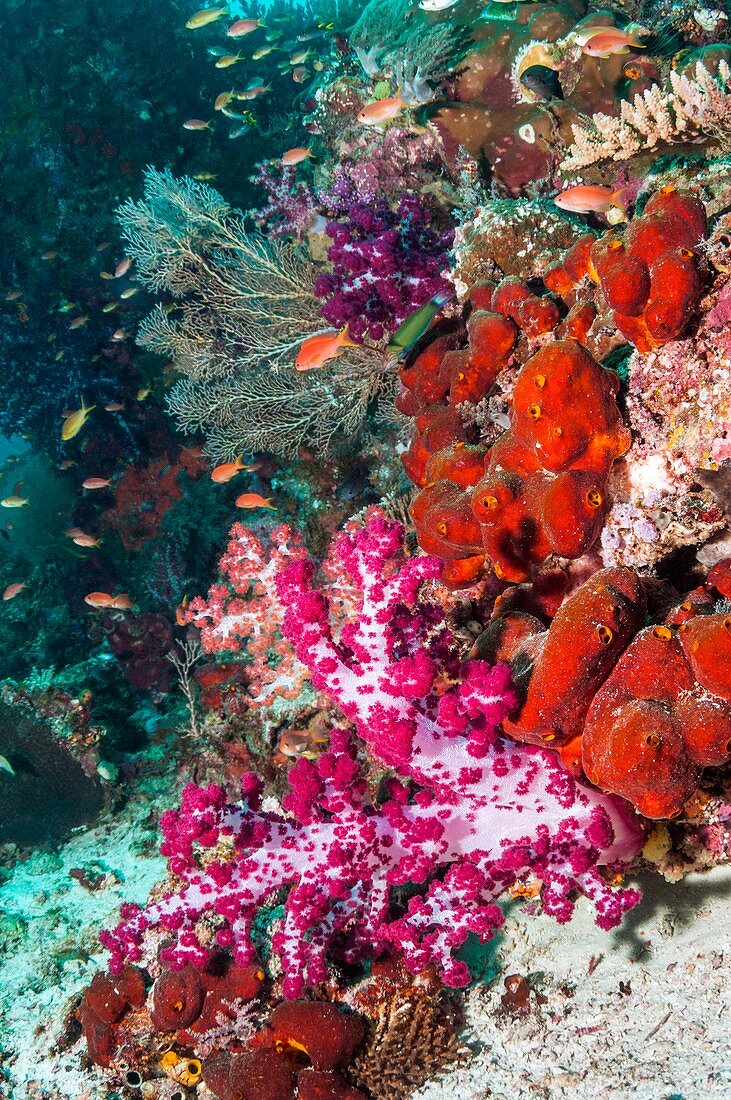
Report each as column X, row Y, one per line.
column 475, row 815
column 386, row 263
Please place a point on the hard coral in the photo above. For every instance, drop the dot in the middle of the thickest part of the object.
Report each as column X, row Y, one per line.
column 469, row 804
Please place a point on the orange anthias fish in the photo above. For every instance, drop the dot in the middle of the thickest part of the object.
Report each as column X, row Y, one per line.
column 114, row 407
column 79, row 321
column 98, row 599
column 196, row 124
column 122, row 268
column 96, row 483
column 584, row 199
column 254, row 500
column 181, row 616
column 13, row 589
column 316, row 350
column 223, row 100
column 87, row 541
column 228, row 470
column 242, row 27
column 383, row 110
column 295, row 156
column 607, row 42
column 122, row 602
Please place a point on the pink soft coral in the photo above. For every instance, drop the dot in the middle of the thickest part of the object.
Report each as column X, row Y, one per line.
column 472, row 817
column 243, row 612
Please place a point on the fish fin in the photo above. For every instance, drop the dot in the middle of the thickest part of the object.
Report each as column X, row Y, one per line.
column 345, row 340
column 619, row 198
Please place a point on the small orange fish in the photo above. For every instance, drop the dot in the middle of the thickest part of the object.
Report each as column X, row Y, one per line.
column 96, row 483
column 114, row 407
column 122, row 268
column 585, row 198
column 13, row 295
column 223, row 100
column 293, row 744
column 228, row 60
column 610, row 40
column 87, row 541
column 254, row 500
column 254, row 91
column 316, row 350
column 98, row 599
column 13, row 589
column 181, row 612
column 67, row 464
column 49, row 255
column 243, row 27
column 295, row 156
column 106, row 275
column 383, row 110
column 196, row 124
column 79, row 321
column 228, row 470
column 120, row 335
column 122, row 602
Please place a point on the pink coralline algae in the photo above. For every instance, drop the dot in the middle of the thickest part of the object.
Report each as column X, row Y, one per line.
column 385, row 263
column 471, row 816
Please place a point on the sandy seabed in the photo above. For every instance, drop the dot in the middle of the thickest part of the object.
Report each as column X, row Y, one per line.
column 662, row 1034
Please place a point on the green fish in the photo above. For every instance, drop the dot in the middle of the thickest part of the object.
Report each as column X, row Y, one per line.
column 416, row 324
column 6, row 766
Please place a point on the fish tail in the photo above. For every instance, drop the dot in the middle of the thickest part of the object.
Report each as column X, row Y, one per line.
column 344, row 339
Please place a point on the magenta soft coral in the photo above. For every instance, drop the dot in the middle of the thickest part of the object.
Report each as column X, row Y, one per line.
column 385, row 263
column 472, row 816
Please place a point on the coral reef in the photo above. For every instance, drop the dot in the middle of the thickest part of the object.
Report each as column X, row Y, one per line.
column 451, row 283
